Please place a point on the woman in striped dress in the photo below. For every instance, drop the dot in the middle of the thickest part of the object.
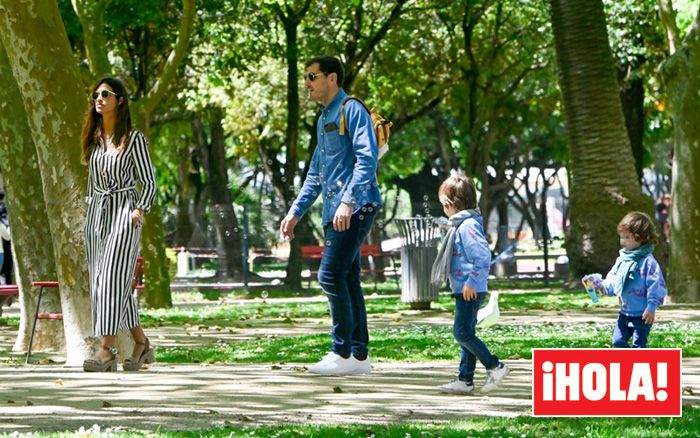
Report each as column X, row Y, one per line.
column 117, row 158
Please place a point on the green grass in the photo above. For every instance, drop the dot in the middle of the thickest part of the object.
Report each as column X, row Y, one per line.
column 11, row 321
column 518, row 427
column 477, row 426
column 552, row 300
column 232, row 314
column 505, row 285
column 427, row 343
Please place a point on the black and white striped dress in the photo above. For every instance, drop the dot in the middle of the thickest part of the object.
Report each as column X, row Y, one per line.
column 112, row 241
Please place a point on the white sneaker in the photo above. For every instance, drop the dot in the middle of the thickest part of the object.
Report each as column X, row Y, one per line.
column 333, row 364
column 494, row 377
column 457, row 387
column 362, row 366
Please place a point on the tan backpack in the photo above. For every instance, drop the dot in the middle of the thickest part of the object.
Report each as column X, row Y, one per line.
column 382, row 127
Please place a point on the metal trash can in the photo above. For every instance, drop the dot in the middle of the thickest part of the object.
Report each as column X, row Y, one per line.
column 561, row 267
column 420, row 237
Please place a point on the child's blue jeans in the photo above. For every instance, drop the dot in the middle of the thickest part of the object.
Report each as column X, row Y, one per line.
column 465, row 334
column 630, row 327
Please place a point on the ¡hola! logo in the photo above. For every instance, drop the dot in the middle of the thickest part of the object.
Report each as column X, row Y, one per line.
column 606, row 382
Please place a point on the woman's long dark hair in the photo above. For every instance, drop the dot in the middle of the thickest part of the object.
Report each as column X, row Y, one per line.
column 92, row 130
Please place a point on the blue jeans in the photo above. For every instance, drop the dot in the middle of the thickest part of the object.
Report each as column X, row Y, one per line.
column 630, row 327
column 339, row 276
column 465, row 335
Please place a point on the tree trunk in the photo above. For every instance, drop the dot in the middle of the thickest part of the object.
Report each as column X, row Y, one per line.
column 43, row 65
column 632, row 98
column 183, row 224
column 422, row 189
column 226, row 229
column 679, row 73
column 29, row 224
column 502, row 240
column 156, row 277
column 603, row 190
column 155, row 270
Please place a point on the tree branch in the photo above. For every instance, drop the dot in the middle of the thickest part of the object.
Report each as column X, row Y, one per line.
column 91, row 15
column 155, row 95
column 668, row 21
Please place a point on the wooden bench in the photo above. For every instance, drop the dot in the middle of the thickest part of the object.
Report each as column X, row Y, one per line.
column 314, row 253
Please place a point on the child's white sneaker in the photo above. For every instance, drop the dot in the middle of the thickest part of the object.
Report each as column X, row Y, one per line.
column 494, row 377
column 457, row 387
column 334, row 364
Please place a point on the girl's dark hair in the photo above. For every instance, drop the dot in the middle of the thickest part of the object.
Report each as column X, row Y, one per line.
column 640, row 226
column 459, row 191
column 327, row 65
column 92, row 129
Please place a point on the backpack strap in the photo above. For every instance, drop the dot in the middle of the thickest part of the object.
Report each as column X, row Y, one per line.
column 341, row 130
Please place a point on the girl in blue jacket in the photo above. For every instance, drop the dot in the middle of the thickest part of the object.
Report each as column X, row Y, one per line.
column 464, row 258
column 636, row 279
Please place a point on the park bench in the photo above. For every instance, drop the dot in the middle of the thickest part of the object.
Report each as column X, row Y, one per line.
column 8, row 290
column 137, row 283
column 312, row 255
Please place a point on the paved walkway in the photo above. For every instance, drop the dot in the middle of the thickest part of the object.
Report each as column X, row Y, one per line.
column 189, row 397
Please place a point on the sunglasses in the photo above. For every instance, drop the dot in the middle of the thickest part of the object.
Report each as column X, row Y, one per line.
column 104, row 94
column 312, row 76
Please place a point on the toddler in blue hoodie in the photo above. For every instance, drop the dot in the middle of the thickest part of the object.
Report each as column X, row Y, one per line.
column 464, row 258
column 636, row 279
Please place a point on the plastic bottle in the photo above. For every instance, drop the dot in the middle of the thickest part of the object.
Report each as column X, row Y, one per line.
column 589, row 282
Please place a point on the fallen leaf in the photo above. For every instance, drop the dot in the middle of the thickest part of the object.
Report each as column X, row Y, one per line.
column 687, row 390
column 337, row 389
column 106, row 404
column 246, row 418
column 59, row 382
column 28, row 403
column 276, row 367
column 11, row 402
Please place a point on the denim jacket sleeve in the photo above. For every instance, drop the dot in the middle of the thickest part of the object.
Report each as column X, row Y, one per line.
column 310, row 190
column 364, row 144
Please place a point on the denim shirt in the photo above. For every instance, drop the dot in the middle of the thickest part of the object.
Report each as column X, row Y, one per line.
column 471, row 257
column 645, row 291
column 343, row 168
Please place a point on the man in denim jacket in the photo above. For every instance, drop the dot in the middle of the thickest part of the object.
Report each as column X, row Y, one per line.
column 343, row 170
